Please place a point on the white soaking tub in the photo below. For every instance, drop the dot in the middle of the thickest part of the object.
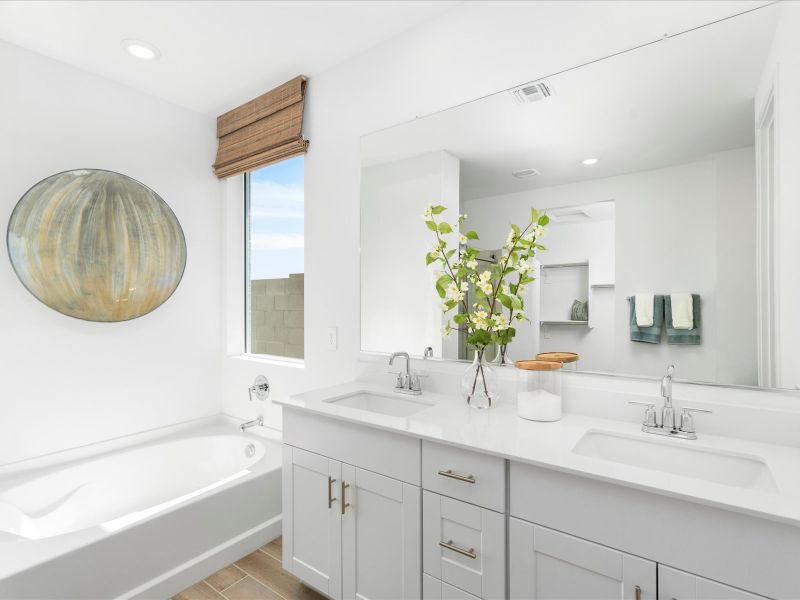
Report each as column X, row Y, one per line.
column 140, row 517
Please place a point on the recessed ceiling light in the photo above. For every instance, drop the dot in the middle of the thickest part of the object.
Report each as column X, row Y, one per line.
column 525, row 173
column 590, row 161
column 141, row 50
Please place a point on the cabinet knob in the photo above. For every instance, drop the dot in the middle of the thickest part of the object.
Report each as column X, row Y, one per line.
column 637, row 592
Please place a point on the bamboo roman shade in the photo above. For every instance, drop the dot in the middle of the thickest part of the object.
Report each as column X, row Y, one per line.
column 263, row 131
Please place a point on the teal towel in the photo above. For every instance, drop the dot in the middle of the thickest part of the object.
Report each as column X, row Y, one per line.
column 649, row 335
column 683, row 336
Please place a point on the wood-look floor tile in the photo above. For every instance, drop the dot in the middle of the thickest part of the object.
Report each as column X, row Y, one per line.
column 225, row 577
column 274, row 548
column 250, row 589
column 268, row 571
column 199, row 591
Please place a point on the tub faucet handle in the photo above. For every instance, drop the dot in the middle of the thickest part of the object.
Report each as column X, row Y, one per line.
column 260, row 388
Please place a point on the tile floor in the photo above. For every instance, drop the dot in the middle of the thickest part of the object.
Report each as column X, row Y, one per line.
column 257, row 576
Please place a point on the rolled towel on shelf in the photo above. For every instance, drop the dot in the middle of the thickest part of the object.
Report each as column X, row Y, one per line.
column 644, row 304
column 682, row 311
column 652, row 334
column 690, row 337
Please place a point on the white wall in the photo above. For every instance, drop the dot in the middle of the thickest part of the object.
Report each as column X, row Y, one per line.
column 470, row 51
column 687, row 228
column 399, row 305
column 67, row 382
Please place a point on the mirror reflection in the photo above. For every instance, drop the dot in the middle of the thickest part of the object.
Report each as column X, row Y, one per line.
column 669, row 237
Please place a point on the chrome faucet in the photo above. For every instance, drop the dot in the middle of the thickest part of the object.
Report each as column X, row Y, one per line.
column 650, row 424
column 408, row 382
column 248, row 424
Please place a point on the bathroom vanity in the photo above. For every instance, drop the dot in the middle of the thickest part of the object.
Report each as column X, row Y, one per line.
column 387, row 496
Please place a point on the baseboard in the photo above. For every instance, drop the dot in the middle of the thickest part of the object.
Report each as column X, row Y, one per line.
column 173, row 581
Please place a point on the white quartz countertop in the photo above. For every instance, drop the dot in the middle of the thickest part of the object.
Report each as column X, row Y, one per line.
column 500, row 432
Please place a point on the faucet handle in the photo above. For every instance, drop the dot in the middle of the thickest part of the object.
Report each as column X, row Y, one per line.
column 649, row 413
column 687, row 421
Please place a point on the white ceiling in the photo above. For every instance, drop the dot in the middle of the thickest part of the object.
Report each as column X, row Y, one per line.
column 215, row 54
column 674, row 101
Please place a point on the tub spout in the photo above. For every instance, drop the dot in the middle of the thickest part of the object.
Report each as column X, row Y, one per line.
column 247, row 425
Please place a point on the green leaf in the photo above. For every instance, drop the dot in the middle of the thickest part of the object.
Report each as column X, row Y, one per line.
column 445, row 228
column 516, row 302
column 438, row 209
column 534, row 214
column 460, row 319
column 505, row 301
column 429, row 259
column 480, row 339
column 471, row 235
column 544, row 220
column 431, row 225
column 515, row 229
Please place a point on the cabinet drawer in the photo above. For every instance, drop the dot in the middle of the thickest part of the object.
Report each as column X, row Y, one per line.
column 433, row 589
column 470, row 476
column 679, row 585
column 464, row 545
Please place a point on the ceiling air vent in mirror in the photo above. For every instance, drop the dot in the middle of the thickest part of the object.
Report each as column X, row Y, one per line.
column 525, row 173
column 533, row 92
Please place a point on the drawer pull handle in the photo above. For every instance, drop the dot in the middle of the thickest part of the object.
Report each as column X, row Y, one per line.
column 449, row 473
column 451, row 546
column 637, row 592
column 331, row 481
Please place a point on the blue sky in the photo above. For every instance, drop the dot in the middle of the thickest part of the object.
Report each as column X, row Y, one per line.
column 276, row 220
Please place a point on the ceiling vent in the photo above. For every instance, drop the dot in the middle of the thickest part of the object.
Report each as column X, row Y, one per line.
column 533, row 92
column 568, row 215
column 525, row 173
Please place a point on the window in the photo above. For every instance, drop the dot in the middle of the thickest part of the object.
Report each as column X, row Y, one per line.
column 274, row 279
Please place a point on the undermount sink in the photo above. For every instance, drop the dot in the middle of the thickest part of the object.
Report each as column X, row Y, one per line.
column 672, row 456
column 394, row 405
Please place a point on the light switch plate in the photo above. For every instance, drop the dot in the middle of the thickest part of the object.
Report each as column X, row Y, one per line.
column 333, row 338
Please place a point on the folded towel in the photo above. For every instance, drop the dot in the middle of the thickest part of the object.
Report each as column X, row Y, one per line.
column 682, row 313
column 644, row 309
column 649, row 335
column 683, row 336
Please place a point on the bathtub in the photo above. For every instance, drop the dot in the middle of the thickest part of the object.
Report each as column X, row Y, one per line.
column 140, row 517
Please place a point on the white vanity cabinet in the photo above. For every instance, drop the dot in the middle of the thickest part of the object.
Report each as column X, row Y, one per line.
column 547, row 564
column 348, row 531
column 679, row 585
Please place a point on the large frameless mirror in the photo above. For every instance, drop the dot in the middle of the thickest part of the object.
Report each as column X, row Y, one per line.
column 666, row 176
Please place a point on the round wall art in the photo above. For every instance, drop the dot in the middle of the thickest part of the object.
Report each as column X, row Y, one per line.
column 96, row 245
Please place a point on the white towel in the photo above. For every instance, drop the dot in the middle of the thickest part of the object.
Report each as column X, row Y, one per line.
column 644, row 309
column 682, row 311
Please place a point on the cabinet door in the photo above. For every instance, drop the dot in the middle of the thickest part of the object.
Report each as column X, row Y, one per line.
column 380, row 537
column 312, row 520
column 548, row 565
column 679, row 585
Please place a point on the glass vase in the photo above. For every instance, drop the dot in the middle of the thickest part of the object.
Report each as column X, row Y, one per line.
column 502, row 359
column 479, row 383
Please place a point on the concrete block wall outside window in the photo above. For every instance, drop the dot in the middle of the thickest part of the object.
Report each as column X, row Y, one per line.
column 276, row 320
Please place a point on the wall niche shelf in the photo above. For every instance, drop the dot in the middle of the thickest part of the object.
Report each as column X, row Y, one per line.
column 564, row 322
column 602, row 285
